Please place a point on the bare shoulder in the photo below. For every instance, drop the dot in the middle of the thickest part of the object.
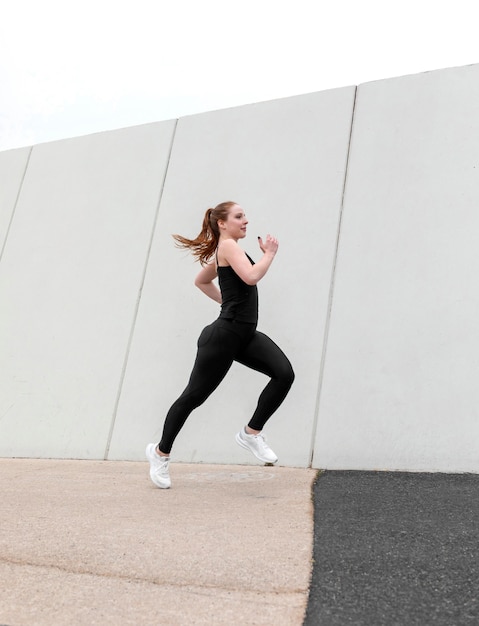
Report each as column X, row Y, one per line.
column 229, row 244
column 228, row 250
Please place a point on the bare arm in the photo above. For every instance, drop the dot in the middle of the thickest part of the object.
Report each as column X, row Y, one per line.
column 232, row 254
column 204, row 281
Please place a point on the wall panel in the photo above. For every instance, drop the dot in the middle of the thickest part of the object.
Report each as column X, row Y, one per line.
column 284, row 161
column 69, row 283
column 400, row 387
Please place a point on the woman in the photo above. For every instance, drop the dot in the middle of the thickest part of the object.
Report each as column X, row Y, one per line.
column 232, row 337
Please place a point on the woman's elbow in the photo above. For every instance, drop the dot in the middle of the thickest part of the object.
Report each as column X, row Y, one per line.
column 251, row 279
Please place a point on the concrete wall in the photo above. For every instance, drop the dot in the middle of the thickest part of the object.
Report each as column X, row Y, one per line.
column 400, row 384
column 12, row 170
column 372, row 193
column 70, row 279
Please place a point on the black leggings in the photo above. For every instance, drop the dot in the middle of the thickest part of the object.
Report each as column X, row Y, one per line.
column 219, row 344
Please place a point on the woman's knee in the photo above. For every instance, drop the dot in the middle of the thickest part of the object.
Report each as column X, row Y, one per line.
column 286, row 374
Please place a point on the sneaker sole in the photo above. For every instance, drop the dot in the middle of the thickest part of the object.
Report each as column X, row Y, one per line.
column 240, row 442
column 162, row 486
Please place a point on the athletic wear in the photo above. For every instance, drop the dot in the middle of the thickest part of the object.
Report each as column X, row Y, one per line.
column 239, row 300
column 159, row 467
column 257, row 445
column 226, row 340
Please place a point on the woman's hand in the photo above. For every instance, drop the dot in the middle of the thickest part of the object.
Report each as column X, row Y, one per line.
column 271, row 244
column 230, row 253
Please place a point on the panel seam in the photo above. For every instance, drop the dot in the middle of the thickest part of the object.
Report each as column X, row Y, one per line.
column 331, row 291
column 20, row 187
column 138, row 300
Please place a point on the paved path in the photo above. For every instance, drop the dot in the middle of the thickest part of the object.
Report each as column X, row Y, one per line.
column 86, row 543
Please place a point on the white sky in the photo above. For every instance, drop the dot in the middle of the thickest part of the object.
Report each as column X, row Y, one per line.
column 69, row 69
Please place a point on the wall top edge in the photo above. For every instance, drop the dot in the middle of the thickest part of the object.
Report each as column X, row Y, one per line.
column 269, row 101
column 87, row 135
column 419, row 75
column 253, row 104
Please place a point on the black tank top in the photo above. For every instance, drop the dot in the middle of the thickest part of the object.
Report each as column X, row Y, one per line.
column 239, row 300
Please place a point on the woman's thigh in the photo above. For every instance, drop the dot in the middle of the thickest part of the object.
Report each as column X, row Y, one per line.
column 216, row 350
column 264, row 355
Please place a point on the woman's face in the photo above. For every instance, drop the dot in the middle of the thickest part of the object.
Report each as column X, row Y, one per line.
column 235, row 224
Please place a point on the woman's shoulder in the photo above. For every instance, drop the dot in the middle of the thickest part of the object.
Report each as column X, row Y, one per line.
column 228, row 244
column 227, row 250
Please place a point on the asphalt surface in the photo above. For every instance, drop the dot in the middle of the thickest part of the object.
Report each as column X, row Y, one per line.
column 395, row 549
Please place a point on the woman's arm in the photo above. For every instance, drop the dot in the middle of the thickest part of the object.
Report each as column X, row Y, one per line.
column 232, row 254
column 204, row 281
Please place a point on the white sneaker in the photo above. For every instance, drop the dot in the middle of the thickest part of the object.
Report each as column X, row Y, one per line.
column 257, row 445
column 159, row 473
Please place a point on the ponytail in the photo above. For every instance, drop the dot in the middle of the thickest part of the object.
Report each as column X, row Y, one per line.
column 204, row 245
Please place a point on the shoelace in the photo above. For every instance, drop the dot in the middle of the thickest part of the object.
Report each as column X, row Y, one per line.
column 163, row 465
column 261, row 440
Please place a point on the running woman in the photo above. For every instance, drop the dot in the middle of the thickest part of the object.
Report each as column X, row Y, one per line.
column 231, row 337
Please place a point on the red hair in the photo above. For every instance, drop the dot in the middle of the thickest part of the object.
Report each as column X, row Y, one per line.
column 204, row 245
